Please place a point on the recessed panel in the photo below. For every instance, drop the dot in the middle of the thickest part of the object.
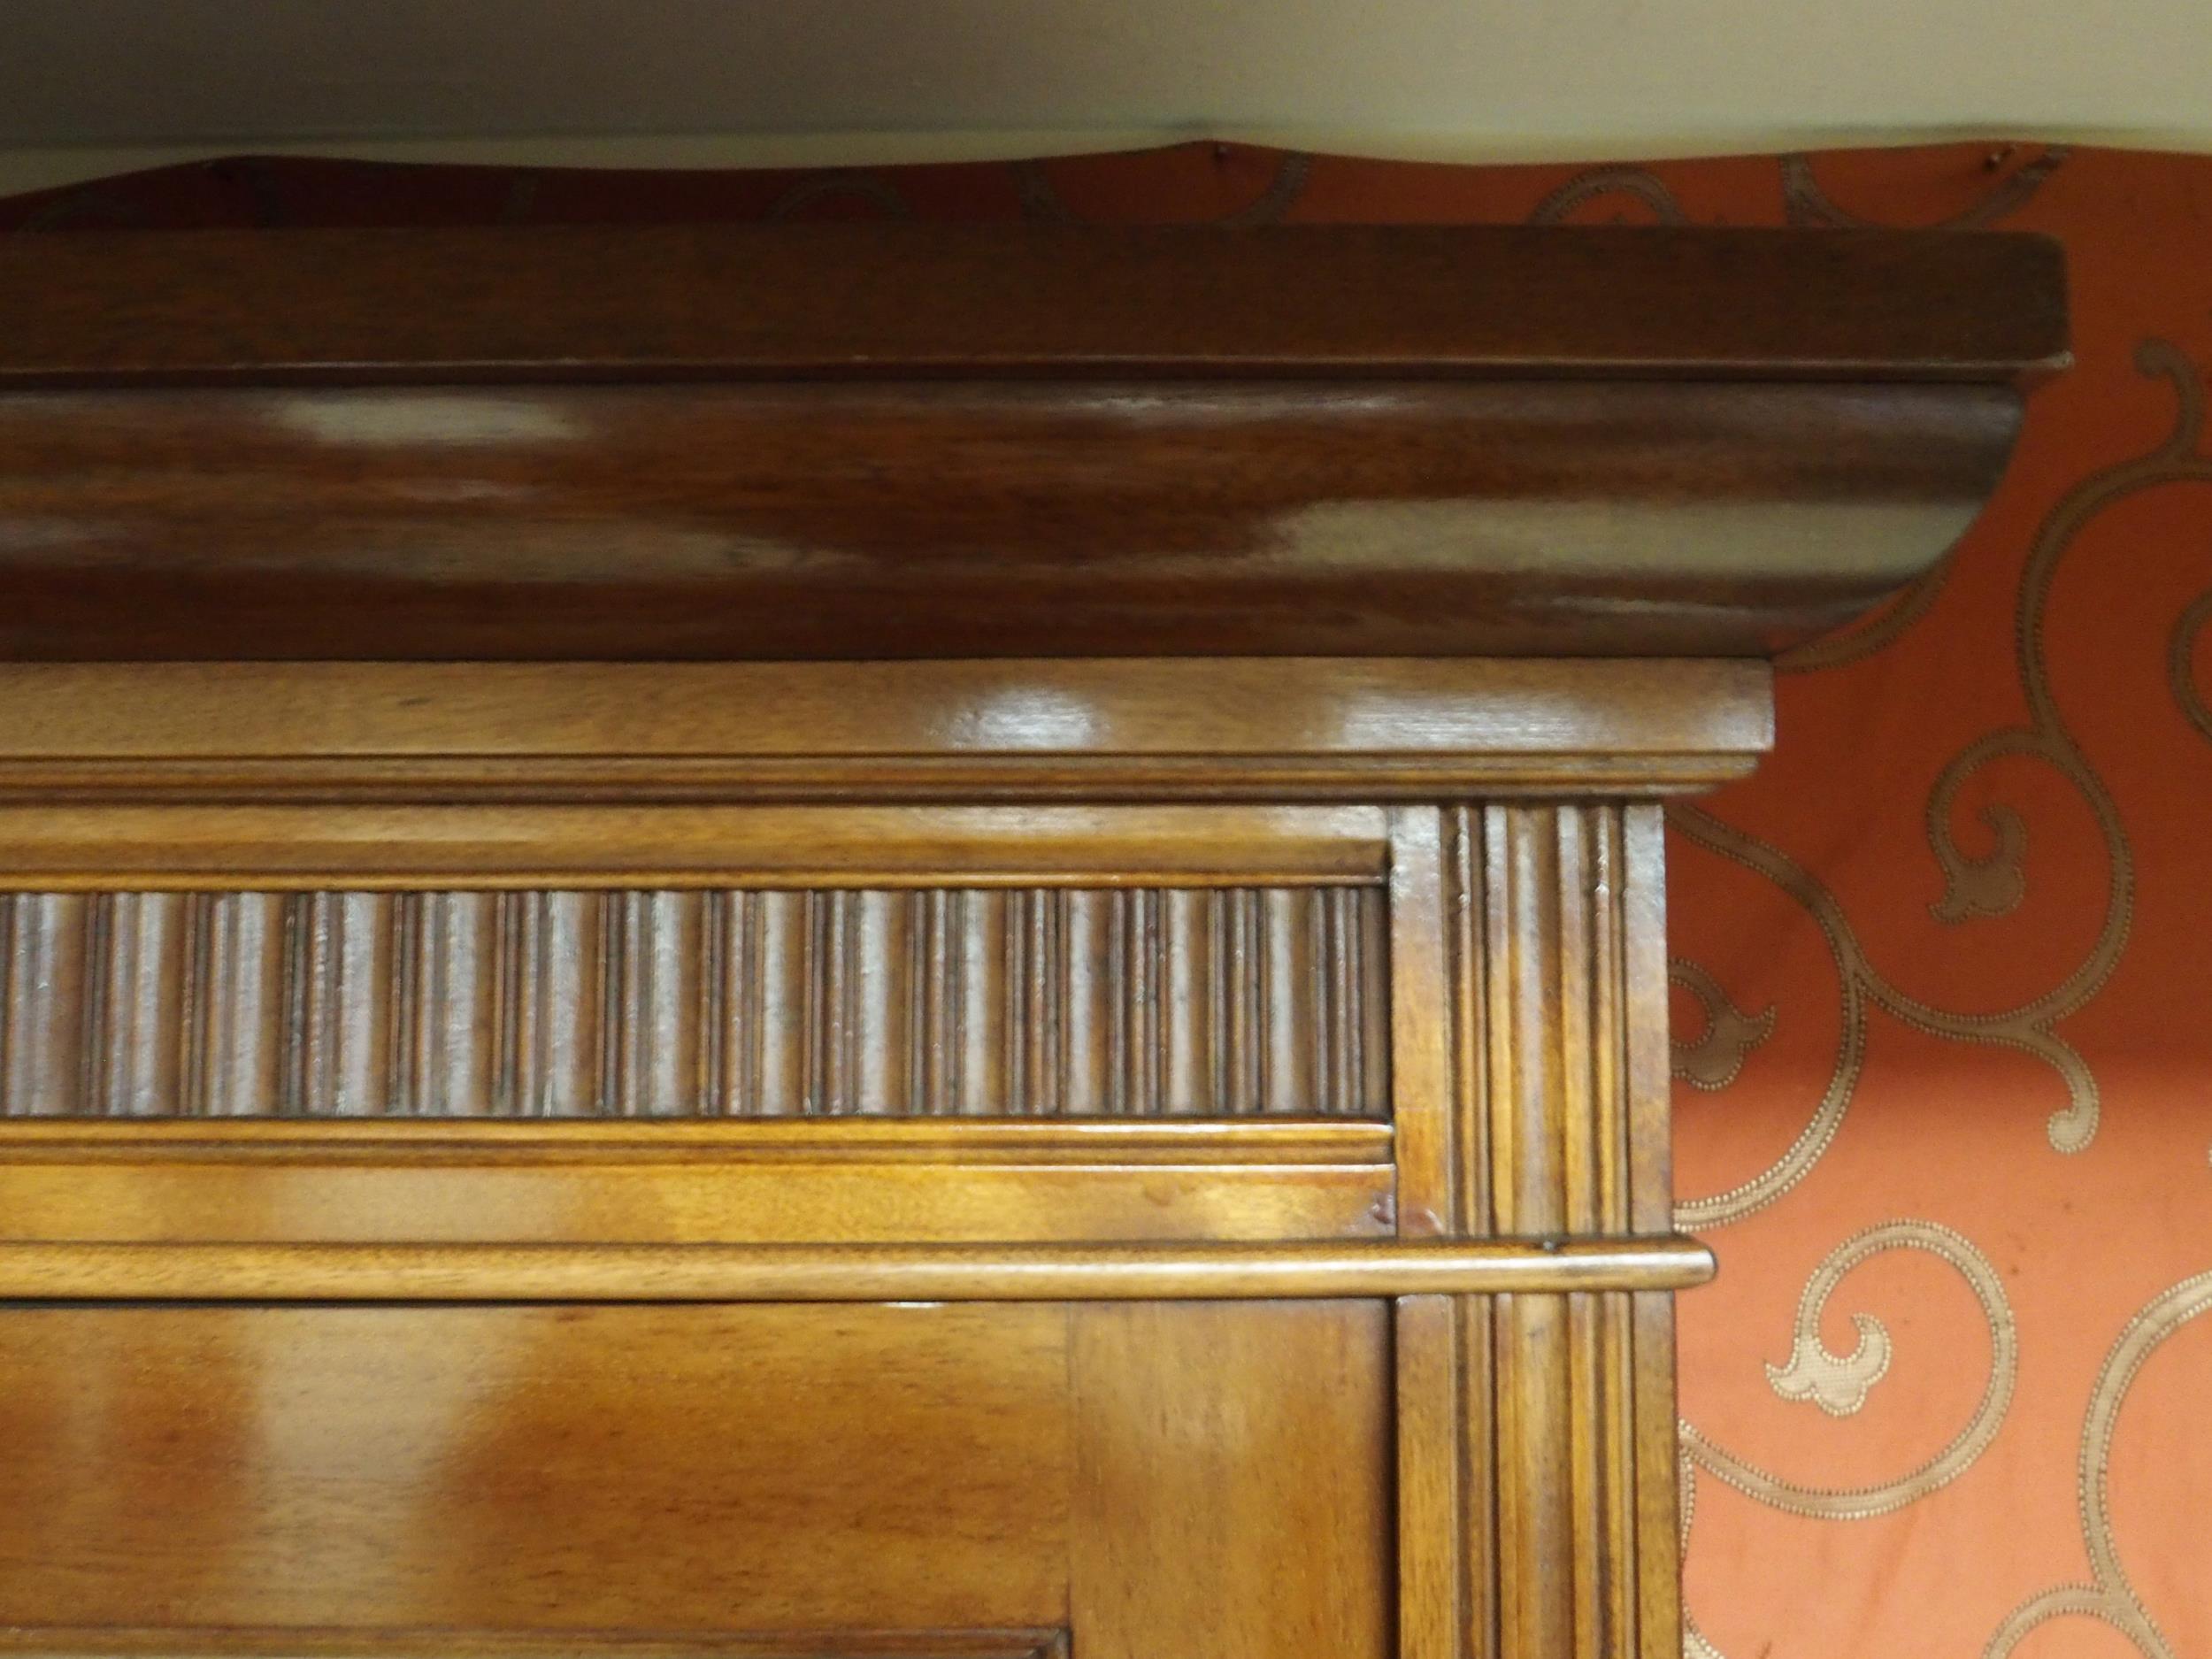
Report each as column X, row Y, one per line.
column 487, row 1468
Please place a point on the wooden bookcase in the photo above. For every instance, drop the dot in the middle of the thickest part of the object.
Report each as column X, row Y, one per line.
column 822, row 943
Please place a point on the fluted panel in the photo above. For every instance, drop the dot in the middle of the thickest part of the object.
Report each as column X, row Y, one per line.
column 1537, row 1470
column 984, row 1002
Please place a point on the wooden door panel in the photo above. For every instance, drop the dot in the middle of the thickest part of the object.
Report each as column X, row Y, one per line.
column 1233, row 1492
column 503, row 1468
column 766, row 1482
column 116, row 1643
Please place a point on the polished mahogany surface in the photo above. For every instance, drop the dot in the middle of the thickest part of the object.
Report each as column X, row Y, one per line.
column 977, row 444
column 1051, row 302
column 916, row 520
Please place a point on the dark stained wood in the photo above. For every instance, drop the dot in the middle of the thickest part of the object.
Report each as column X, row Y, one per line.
column 977, row 302
column 882, row 522
column 592, row 444
column 1151, row 1002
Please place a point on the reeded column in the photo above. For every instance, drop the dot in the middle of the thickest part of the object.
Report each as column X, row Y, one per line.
column 1537, row 1440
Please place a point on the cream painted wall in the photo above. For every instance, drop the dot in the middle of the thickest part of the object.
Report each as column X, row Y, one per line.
column 89, row 87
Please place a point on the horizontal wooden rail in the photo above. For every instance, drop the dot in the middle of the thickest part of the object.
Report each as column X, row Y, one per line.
column 1064, row 1142
column 46, row 1271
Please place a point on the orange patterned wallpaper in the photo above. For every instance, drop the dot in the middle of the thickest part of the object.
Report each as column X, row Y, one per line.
column 1944, row 989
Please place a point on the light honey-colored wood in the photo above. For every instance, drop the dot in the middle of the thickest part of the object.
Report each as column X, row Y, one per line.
column 109, row 1642
column 1199, row 1540
column 502, row 1468
column 47, row 1271
column 1447, row 1482
column 1488, row 989
column 626, row 1194
column 1475, row 978
column 873, row 1482
column 1135, row 729
column 1097, row 1142
column 819, row 1180
column 217, row 848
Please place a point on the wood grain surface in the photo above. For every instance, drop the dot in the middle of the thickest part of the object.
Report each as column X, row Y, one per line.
column 976, row 1002
column 1192, row 814
column 976, row 300
column 1546, row 1268
column 1134, row 730
column 836, row 442
column 950, row 521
